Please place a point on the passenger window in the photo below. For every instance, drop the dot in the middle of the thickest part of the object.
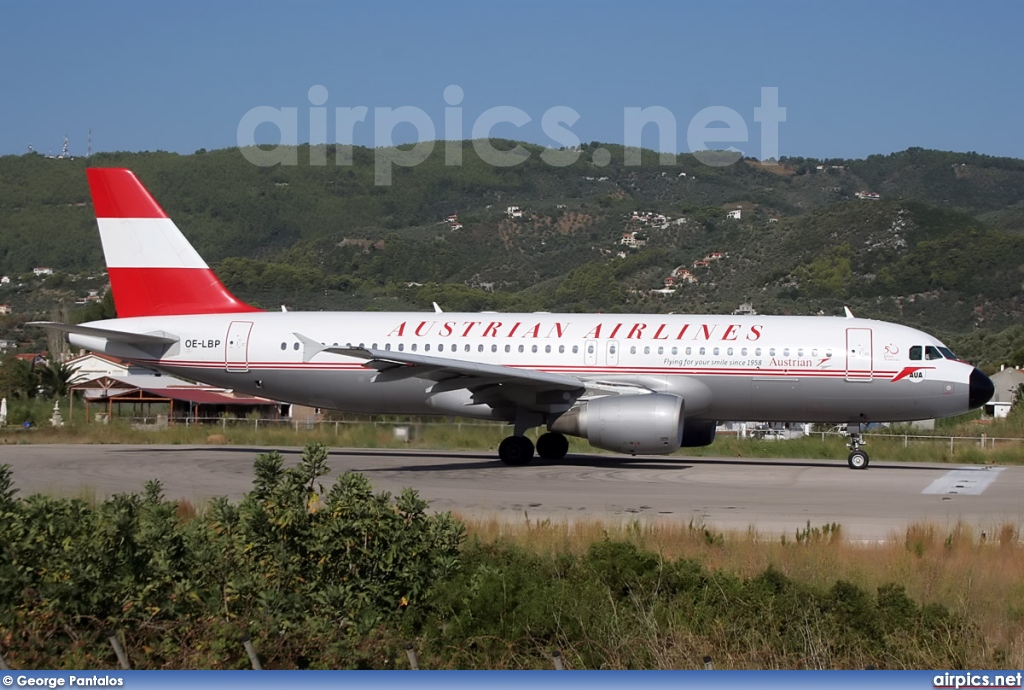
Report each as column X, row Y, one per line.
column 561, row 349
column 715, row 352
column 785, row 352
column 675, row 350
column 632, row 350
column 729, row 352
column 771, row 351
column 508, row 348
column 494, row 348
column 374, row 346
column 413, row 348
column 575, row 349
column 426, row 348
column 743, row 352
column 661, row 350
column 387, row 346
column 590, row 349
column 701, row 351
column 828, row 353
column 533, row 349
column 401, row 347
column 800, row 352
column 757, row 352
column 295, row 346
column 689, row 351
column 647, row 350
column 521, row 348
column 932, row 352
column 284, row 346
column 915, row 352
column 547, row 348
column 480, row 348
column 814, row 352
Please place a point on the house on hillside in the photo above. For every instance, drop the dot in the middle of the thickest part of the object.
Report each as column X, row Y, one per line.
column 5, row 309
column 734, row 214
column 633, row 240
column 43, row 271
column 870, row 196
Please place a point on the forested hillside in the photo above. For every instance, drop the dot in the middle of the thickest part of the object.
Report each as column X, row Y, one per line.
column 929, row 238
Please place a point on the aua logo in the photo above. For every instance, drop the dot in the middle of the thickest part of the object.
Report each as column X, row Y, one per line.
column 916, row 377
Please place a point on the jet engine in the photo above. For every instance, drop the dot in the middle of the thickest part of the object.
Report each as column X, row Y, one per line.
column 649, row 423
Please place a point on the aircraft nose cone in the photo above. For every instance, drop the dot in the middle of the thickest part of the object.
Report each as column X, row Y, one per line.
column 981, row 389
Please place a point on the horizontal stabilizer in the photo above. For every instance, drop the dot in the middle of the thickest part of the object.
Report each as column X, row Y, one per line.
column 143, row 339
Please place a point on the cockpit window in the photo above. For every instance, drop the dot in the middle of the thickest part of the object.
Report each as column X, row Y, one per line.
column 915, row 352
column 932, row 352
column 947, row 353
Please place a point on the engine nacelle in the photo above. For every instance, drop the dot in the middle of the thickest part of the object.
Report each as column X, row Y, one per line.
column 648, row 424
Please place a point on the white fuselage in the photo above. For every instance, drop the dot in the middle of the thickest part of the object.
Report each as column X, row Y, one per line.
column 762, row 368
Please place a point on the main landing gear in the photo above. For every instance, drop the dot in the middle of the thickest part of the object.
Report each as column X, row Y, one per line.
column 518, row 450
column 858, row 459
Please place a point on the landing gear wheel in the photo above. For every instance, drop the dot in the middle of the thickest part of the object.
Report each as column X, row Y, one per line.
column 858, row 460
column 552, row 446
column 516, row 451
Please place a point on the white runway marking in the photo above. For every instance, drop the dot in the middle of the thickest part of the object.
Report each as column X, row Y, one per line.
column 967, row 481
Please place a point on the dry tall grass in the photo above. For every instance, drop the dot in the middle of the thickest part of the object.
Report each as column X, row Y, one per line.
column 976, row 573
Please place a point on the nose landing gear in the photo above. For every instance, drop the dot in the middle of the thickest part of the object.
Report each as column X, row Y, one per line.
column 858, row 459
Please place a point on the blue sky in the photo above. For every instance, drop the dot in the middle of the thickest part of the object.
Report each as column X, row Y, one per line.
column 855, row 78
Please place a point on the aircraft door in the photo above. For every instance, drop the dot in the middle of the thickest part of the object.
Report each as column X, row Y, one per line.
column 859, row 355
column 590, row 353
column 611, row 356
column 236, row 349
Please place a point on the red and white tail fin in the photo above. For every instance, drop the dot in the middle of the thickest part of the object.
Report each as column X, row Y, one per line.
column 153, row 269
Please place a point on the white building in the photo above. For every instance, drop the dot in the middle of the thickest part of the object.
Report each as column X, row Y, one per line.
column 92, row 366
column 734, row 214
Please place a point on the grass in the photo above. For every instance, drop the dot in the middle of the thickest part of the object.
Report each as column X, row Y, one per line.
column 976, row 573
column 437, row 434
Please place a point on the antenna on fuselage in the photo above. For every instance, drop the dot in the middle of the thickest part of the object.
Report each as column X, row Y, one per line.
column 849, row 314
column 437, row 309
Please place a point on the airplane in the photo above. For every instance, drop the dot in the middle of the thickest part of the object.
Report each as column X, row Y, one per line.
column 628, row 383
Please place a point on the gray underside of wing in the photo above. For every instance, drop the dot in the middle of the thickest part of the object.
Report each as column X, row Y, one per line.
column 404, row 365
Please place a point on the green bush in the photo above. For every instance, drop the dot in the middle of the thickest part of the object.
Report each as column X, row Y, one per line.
column 344, row 577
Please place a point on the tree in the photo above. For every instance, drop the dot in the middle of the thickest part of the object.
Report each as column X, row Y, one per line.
column 55, row 379
column 17, row 380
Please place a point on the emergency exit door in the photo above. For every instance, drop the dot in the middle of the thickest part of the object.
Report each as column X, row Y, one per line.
column 236, row 355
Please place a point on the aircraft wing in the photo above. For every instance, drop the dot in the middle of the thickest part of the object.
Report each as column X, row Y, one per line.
column 396, row 365
column 144, row 339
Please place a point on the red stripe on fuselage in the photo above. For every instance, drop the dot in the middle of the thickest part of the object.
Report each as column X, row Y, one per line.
column 171, row 292
column 117, row 193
